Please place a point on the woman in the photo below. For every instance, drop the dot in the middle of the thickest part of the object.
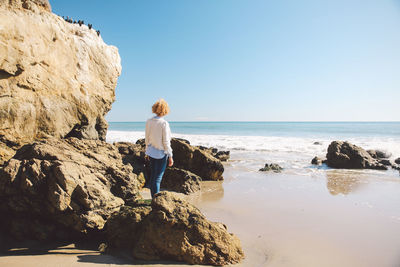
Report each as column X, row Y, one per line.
column 158, row 144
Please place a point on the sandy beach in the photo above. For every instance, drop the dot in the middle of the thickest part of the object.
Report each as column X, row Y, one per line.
column 342, row 218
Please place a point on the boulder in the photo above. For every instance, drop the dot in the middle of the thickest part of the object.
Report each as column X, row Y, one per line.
column 385, row 162
column 317, row 143
column 379, row 154
column 197, row 161
column 57, row 79
column 134, row 155
column 344, row 155
column 316, row 161
column 397, row 161
column 124, row 226
column 63, row 188
column 174, row 230
column 271, row 167
column 181, row 181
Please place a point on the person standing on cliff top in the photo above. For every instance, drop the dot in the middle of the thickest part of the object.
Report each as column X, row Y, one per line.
column 158, row 144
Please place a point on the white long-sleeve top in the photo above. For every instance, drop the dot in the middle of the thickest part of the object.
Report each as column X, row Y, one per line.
column 158, row 135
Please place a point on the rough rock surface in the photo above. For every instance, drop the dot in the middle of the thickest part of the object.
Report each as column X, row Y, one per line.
column 56, row 78
column 271, row 167
column 181, row 181
column 174, row 230
column 348, row 156
column 134, row 154
column 66, row 187
column 379, row 154
column 124, row 226
column 196, row 160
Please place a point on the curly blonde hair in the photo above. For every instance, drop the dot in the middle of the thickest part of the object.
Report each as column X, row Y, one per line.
column 160, row 108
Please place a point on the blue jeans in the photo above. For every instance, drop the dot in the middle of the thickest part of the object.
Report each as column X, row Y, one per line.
column 157, row 169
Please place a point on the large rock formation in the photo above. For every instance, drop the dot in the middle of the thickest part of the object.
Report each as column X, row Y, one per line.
column 63, row 188
column 173, row 230
column 56, row 78
column 348, row 156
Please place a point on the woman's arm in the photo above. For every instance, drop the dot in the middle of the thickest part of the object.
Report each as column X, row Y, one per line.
column 166, row 138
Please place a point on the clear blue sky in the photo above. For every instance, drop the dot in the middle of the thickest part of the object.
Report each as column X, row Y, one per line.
column 251, row 60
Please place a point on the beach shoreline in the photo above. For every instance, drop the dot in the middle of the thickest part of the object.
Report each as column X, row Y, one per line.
column 285, row 220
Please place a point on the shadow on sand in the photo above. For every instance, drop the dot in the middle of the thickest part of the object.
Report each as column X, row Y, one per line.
column 85, row 252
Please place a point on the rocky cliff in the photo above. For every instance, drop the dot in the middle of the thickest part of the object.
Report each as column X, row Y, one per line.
column 56, row 78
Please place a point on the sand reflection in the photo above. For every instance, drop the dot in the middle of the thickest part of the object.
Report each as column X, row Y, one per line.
column 211, row 191
column 343, row 182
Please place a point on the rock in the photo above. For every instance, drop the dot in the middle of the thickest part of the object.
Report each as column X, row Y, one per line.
column 134, row 154
column 316, row 161
column 344, row 155
column 197, row 161
column 181, row 181
column 32, row 5
column 385, row 162
column 221, row 155
column 63, row 187
column 124, row 226
column 379, row 154
column 271, row 167
column 56, row 79
column 397, row 161
column 174, row 230
column 317, row 143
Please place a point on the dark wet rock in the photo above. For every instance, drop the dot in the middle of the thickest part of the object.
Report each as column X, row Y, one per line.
column 63, row 188
column 173, row 230
column 317, row 143
column 379, row 154
column 316, row 161
column 343, row 155
column 181, row 181
column 271, row 167
column 385, row 162
column 397, row 161
column 195, row 160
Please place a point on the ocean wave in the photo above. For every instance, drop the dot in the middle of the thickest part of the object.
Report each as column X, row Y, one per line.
column 268, row 144
column 250, row 153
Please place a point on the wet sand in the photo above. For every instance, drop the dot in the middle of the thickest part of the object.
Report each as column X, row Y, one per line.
column 331, row 218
